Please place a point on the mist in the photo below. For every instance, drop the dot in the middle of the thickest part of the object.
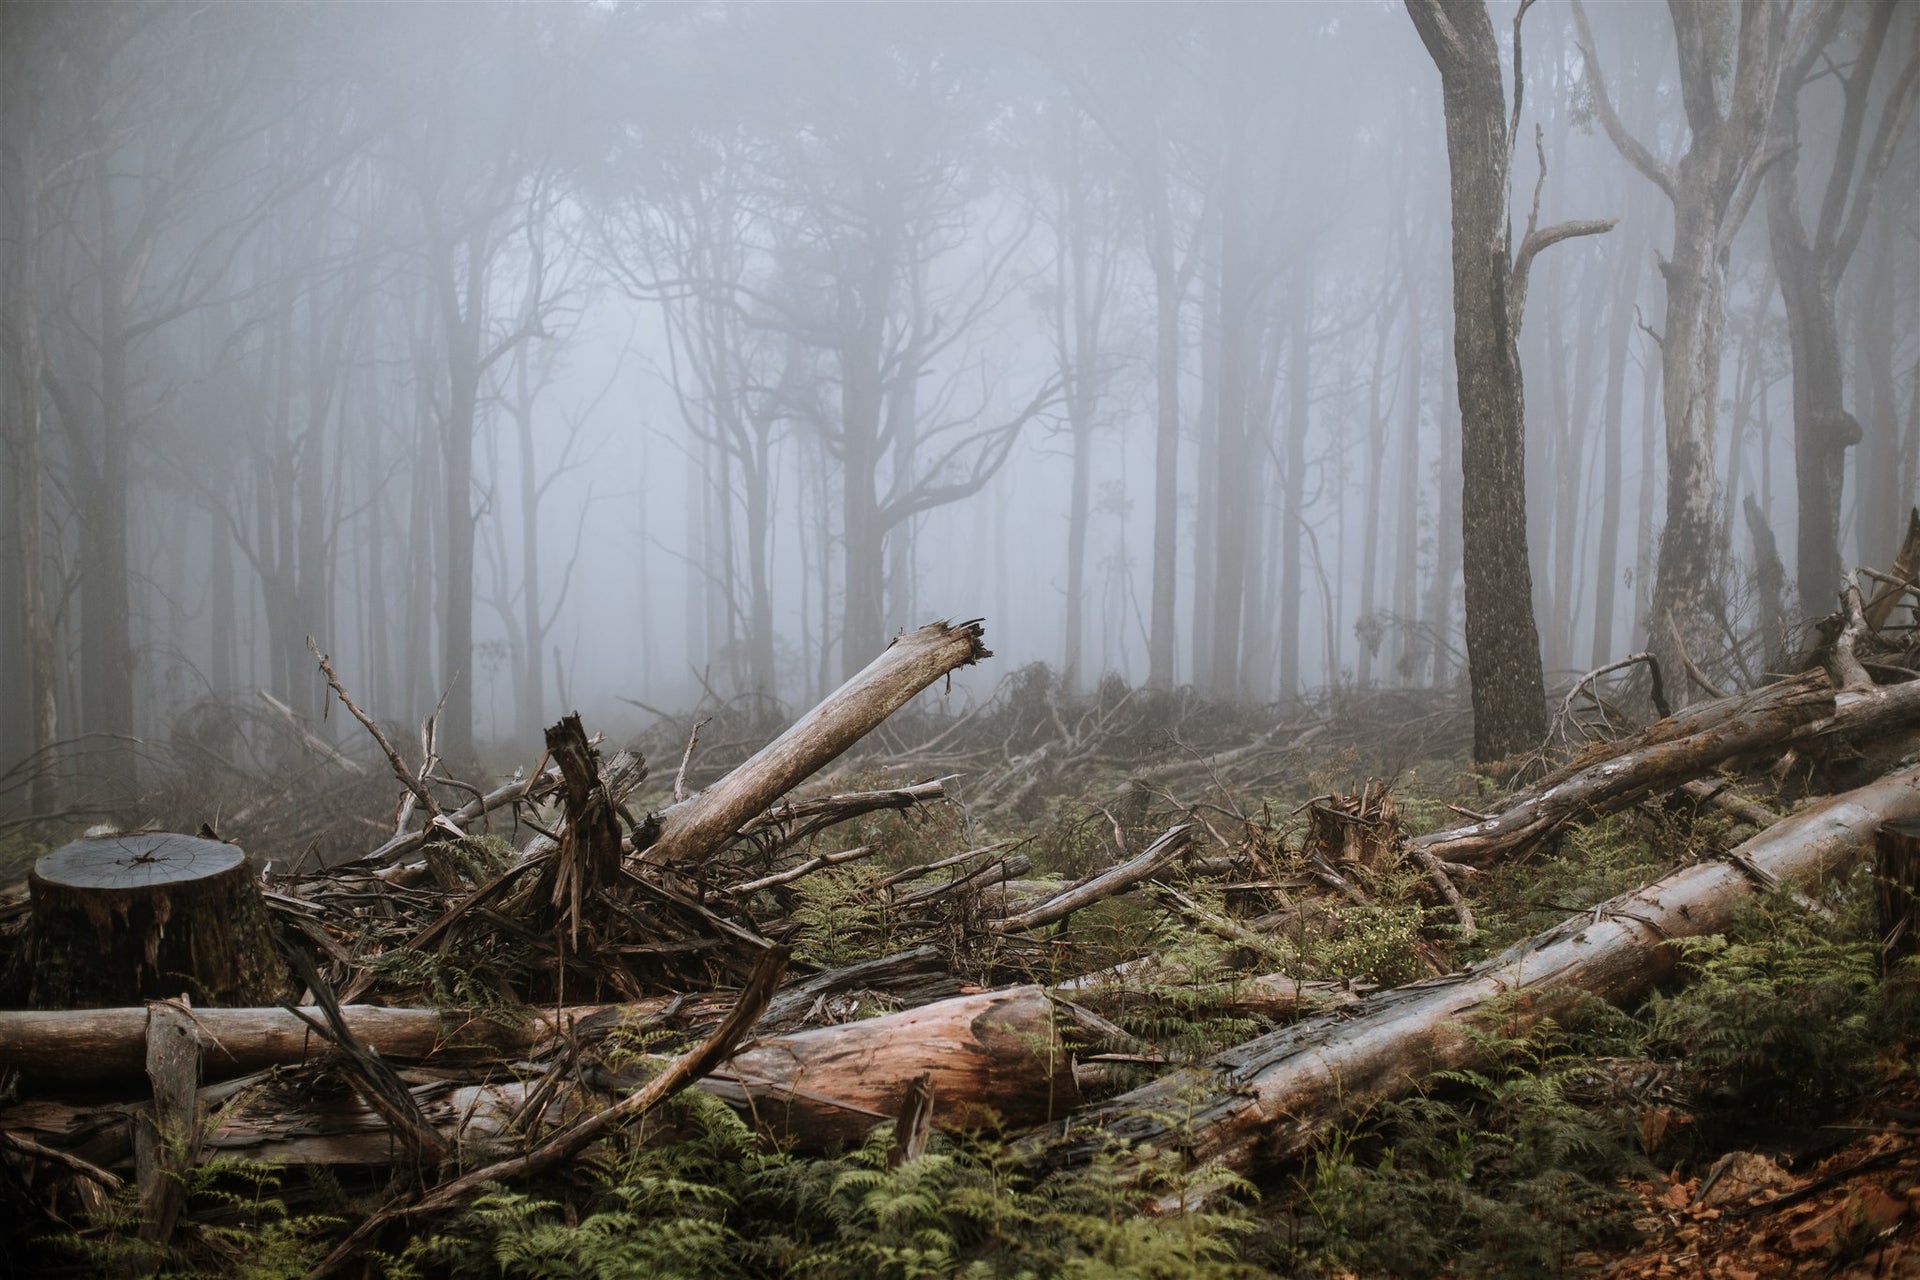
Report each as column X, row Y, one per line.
column 625, row 358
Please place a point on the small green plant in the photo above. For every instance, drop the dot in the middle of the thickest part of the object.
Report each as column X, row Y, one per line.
column 840, row 917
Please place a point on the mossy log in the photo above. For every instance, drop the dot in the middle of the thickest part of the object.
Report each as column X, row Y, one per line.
column 1274, row 1097
column 127, row 918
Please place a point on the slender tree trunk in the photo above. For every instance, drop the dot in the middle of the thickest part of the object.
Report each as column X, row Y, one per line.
column 1688, row 603
column 1406, row 568
column 1293, row 517
column 1503, row 645
column 106, row 640
column 1447, row 533
column 1607, row 554
column 28, row 459
column 1168, row 292
column 1231, row 461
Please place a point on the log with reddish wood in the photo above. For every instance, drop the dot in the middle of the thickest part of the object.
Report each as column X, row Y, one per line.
column 1272, row 1098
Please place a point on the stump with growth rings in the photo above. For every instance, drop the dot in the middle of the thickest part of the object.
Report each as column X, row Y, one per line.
column 127, row 918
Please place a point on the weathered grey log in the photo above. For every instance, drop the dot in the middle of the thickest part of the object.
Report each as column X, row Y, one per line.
column 1274, row 1097
column 91, row 1045
column 126, row 918
column 1096, row 888
column 1792, row 713
column 706, row 823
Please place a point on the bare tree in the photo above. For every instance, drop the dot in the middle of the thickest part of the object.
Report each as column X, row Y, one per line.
column 1811, row 260
column 1730, row 63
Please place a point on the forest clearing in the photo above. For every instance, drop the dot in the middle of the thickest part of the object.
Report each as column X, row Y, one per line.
column 1135, row 964
column 813, row 640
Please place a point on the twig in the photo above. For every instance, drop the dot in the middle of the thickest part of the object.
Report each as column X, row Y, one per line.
column 806, row 868
column 400, row 770
column 686, row 757
column 28, row 1147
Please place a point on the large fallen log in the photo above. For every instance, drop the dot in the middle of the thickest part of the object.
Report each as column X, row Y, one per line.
column 997, row 1055
column 92, row 1046
column 1272, row 1098
column 706, row 823
column 1797, row 712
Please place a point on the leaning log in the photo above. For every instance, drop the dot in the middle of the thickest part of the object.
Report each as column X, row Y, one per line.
column 1272, row 1098
column 706, row 823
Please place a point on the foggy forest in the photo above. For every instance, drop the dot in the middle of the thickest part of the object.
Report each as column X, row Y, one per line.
column 1349, row 568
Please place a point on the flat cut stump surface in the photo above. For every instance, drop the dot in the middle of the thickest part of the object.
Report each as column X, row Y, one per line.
column 127, row 918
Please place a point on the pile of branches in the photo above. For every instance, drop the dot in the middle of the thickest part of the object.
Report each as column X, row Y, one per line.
column 618, row 929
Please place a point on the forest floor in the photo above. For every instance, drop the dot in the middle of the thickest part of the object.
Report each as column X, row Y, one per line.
column 1756, row 1115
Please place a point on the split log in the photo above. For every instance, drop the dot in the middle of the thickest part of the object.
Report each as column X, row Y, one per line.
column 995, row 1058
column 706, row 823
column 1273, row 1097
column 1797, row 712
column 125, row 918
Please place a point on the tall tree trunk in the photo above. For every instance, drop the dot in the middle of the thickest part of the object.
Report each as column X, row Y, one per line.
column 1613, row 397
column 28, row 459
column 1447, row 533
column 1293, row 517
column 1231, row 461
column 1503, row 646
column 1169, row 290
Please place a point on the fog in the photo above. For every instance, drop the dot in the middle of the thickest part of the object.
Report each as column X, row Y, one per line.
column 625, row 357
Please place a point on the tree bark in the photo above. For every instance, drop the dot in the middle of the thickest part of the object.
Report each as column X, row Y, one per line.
column 1503, row 644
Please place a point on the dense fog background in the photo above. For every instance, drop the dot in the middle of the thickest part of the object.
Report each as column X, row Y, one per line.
column 741, row 337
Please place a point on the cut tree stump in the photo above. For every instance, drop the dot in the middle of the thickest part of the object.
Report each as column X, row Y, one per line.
column 128, row 918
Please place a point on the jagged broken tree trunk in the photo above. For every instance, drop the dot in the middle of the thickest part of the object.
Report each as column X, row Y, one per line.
column 1274, row 1097
column 128, row 918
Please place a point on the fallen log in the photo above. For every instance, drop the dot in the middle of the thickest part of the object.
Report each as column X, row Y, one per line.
column 90, row 1046
column 1792, row 713
column 1274, row 1097
column 93, row 1045
column 993, row 1056
column 707, row 822
column 1106, row 884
